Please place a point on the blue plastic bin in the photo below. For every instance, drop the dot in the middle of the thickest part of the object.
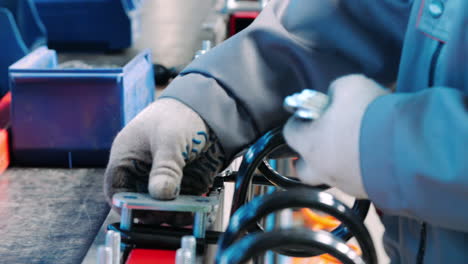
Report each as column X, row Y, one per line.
column 69, row 117
column 90, row 24
column 21, row 30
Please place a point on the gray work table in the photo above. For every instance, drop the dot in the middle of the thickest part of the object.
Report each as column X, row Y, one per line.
column 49, row 215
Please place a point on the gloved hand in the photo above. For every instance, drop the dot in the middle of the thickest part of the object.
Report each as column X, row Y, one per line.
column 329, row 146
column 166, row 141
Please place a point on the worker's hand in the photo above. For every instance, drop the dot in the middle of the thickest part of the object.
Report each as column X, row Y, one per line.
column 329, row 146
column 164, row 142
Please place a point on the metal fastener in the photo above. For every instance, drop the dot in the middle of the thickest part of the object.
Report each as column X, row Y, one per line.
column 113, row 241
column 307, row 105
column 436, row 8
column 104, row 255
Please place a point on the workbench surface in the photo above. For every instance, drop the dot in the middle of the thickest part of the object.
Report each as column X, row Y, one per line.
column 49, row 215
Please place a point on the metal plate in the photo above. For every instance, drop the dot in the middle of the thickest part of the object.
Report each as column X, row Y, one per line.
column 183, row 203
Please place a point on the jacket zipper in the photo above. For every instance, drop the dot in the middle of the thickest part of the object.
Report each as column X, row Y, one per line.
column 423, row 232
column 433, row 65
column 422, row 244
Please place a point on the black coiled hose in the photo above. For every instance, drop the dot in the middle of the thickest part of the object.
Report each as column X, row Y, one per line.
column 255, row 157
column 258, row 243
column 249, row 214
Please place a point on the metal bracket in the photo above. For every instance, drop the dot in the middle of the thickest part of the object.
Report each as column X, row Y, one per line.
column 201, row 206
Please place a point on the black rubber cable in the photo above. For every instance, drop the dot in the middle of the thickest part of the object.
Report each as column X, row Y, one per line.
column 258, row 243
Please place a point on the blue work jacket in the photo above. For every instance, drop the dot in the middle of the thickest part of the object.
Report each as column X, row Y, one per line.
column 414, row 142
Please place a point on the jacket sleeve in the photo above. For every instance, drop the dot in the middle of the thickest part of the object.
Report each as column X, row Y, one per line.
column 239, row 86
column 414, row 158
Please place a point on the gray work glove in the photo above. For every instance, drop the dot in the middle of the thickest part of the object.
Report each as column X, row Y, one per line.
column 166, row 141
column 329, row 146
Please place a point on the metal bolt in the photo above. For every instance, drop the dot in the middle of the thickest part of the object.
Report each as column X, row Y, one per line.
column 199, row 225
column 190, row 243
column 104, row 255
column 113, row 241
column 184, row 256
column 126, row 219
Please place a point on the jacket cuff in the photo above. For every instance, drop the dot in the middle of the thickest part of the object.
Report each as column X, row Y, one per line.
column 377, row 153
column 230, row 124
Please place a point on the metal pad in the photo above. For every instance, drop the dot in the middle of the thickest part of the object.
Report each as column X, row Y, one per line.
column 183, row 203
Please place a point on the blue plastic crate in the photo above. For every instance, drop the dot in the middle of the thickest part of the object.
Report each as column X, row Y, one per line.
column 21, row 30
column 69, row 117
column 90, row 24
